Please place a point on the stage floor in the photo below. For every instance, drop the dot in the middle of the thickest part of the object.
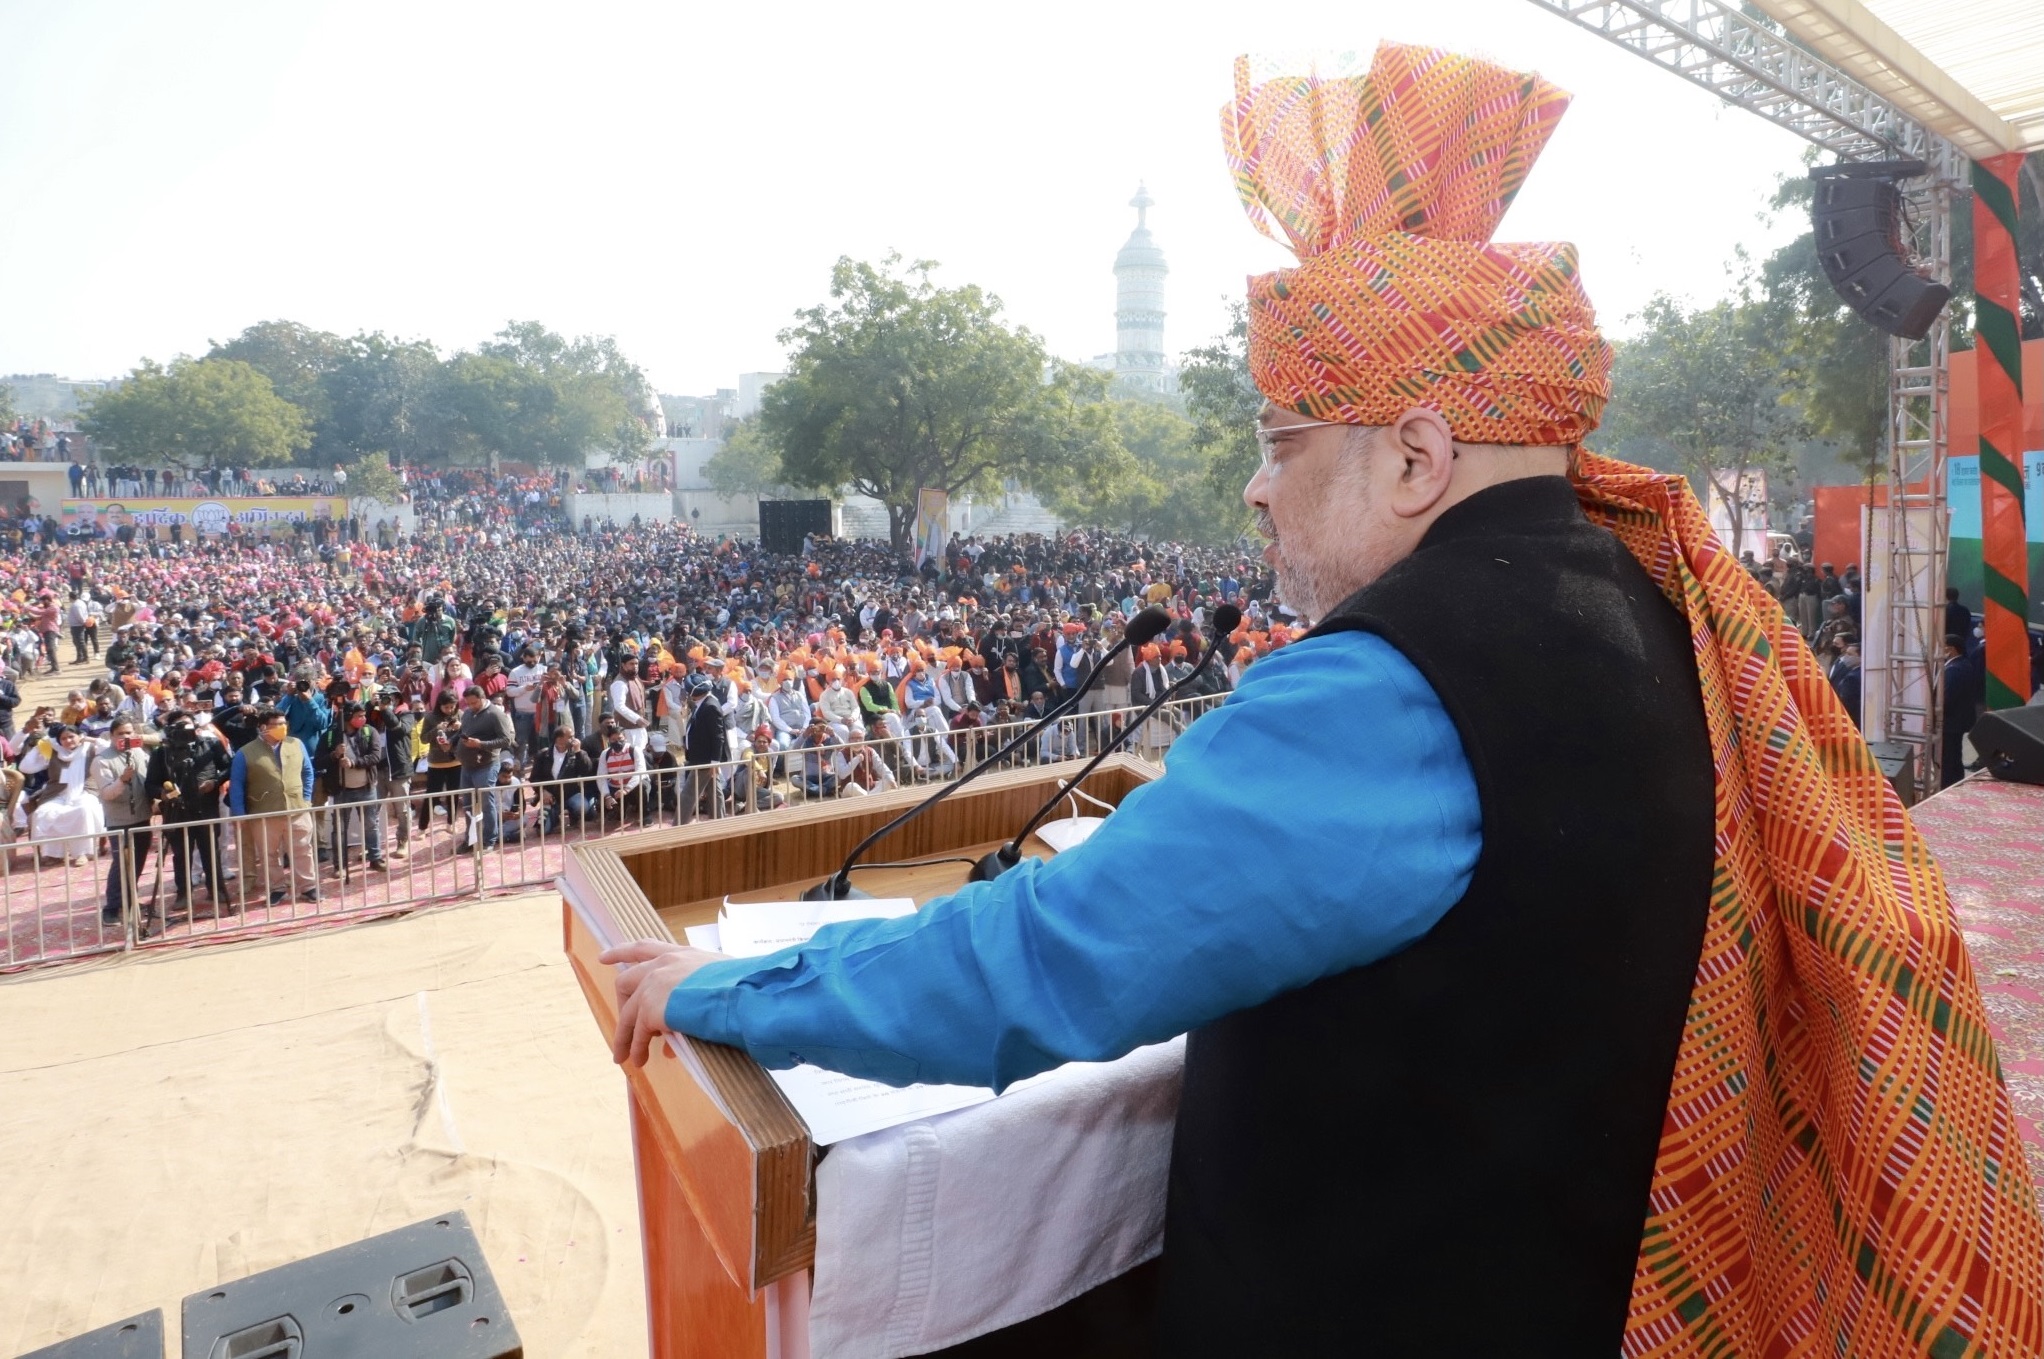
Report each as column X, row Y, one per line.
column 1989, row 839
column 172, row 1120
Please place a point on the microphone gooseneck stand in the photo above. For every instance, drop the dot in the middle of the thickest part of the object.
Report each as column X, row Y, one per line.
column 1143, row 628
column 1226, row 619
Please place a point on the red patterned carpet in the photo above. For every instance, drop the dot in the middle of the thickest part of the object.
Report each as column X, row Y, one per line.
column 1989, row 839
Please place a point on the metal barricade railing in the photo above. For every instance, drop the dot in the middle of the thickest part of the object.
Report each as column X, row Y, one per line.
column 358, row 856
column 54, row 893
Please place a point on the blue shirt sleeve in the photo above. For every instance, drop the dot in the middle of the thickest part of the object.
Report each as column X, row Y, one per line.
column 1322, row 818
column 237, row 784
column 305, row 768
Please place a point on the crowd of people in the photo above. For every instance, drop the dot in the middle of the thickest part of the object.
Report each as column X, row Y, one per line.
column 501, row 671
column 501, row 668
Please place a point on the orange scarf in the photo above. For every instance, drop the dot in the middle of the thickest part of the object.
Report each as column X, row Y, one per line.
column 1839, row 1172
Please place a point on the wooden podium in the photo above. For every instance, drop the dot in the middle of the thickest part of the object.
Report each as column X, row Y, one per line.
column 726, row 1186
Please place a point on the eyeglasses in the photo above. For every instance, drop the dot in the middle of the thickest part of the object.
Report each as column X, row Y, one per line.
column 1267, row 436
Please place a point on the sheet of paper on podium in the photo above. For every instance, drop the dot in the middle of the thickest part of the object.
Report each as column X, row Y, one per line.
column 833, row 1105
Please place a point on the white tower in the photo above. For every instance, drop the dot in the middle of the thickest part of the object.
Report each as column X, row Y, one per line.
column 1139, row 270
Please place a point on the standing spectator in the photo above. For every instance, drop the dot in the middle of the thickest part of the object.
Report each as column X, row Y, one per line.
column 441, row 736
column 10, row 699
column 78, row 618
column 401, row 756
column 269, row 786
column 523, row 690
column 1965, row 690
column 120, row 776
column 486, row 733
column 628, row 704
column 361, row 764
column 1958, row 618
column 44, row 620
column 703, row 749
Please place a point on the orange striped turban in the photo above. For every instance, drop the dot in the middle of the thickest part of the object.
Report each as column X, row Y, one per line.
column 1387, row 187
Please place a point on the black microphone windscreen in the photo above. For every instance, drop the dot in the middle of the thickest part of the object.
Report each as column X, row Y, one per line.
column 1226, row 619
column 1147, row 625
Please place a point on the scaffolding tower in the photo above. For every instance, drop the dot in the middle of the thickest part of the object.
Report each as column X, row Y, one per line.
column 1747, row 61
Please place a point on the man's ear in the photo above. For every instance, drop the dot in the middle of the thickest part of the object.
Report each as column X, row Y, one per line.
column 1425, row 447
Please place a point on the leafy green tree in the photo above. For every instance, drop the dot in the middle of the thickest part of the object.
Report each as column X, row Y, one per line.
column 748, row 464
column 533, row 396
column 378, row 395
column 1835, row 364
column 896, row 384
column 296, row 359
column 373, row 477
column 197, row 413
column 1701, row 392
column 7, row 411
column 1224, row 403
column 1162, row 491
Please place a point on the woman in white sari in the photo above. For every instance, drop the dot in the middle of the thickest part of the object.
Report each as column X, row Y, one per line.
column 68, row 819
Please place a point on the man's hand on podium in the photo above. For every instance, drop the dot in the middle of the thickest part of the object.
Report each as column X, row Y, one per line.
column 652, row 969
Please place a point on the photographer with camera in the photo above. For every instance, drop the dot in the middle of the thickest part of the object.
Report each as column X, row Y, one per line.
column 186, row 773
column 432, row 632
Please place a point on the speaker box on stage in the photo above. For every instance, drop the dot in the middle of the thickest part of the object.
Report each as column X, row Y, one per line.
column 2010, row 743
column 1898, row 764
column 139, row 1337
column 783, row 523
column 420, row 1292
column 1856, row 216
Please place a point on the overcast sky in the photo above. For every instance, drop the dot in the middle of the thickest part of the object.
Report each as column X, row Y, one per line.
column 682, row 175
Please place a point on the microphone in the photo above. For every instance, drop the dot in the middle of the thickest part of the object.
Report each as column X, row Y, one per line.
column 1145, row 627
column 1226, row 619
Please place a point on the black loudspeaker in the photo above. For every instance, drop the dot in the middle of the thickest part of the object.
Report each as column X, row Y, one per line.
column 1856, row 215
column 1898, row 764
column 420, row 1292
column 2010, row 743
column 139, row 1337
column 783, row 523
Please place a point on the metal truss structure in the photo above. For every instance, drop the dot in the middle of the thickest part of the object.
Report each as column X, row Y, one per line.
column 1747, row 61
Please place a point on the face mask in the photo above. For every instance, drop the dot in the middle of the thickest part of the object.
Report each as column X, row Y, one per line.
column 357, row 723
column 837, row 684
column 788, row 685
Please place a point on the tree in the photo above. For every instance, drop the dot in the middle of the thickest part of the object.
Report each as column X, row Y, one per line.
column 747, row 464
column 1161, row 490
column 1706, row 388
column 1836, row 364
column 378, row 397
column 373, row 478
column 296, row 359
column 896, row 385
column 7, row 412
column 197, row 413
column 534, row 396
column 1224, row 404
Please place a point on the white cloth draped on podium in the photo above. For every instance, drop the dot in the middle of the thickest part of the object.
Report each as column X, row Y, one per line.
column 935, row 1232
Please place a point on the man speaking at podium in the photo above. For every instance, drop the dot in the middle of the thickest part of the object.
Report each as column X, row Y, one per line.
column 1584, row 988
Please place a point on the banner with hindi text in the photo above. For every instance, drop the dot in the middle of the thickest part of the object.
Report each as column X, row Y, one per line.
column 208, row 517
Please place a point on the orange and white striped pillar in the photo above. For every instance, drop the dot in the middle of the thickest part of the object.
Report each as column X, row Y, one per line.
column 1998, row 354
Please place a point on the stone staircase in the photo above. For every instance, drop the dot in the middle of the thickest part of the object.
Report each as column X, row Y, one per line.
column 1026, row 515
column 866, row 518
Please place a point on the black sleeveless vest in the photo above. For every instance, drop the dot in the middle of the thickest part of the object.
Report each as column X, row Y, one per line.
column 1448, row 1152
